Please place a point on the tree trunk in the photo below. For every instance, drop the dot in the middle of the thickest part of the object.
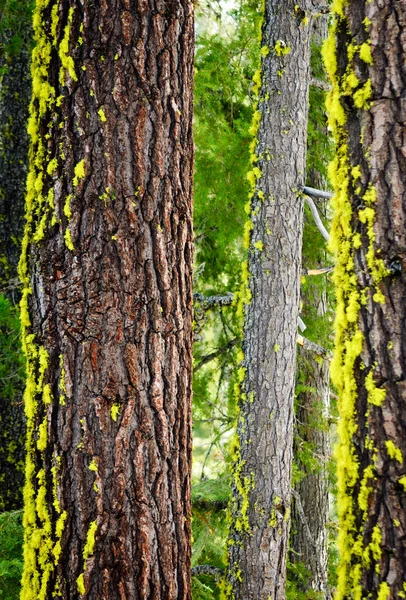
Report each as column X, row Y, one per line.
column 107, row 302
column 366, row 59
column 309, row 535
column 261, row 492
column 15, row 91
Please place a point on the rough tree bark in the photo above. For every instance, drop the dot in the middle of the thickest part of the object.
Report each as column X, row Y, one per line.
column 366, row 60
column 107, row 302
column 311, row 417
column 312, row 409
column 15, row 93
column 261, row 491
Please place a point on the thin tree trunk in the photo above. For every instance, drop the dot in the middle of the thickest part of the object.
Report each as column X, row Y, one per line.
column 261, row 492
column 366, row 59
column 15, row 92
column 107, row 302
column 312, row 430
column 312, row 409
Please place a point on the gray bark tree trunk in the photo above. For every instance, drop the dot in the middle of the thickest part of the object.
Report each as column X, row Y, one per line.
column 366, row 60
column 261, row 491
column 312, row 410
column 107, row 302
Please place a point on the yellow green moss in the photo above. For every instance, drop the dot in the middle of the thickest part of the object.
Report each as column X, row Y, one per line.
column 115, row 411
column 79, row 172
column 376, row 395
column 66, row 208
column 402, row 481
column 52, row 166
column 93, row 465
column 393, row 451
column 68, row 240
column 67, row 61
column 384, row 591
column 365, row 53
column 281, row 48
column 87, row 552
column 102, row 116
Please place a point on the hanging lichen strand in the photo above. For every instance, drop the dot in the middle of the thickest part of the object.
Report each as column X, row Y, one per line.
column 364, row 56
column 106, row 309
column 269, row 303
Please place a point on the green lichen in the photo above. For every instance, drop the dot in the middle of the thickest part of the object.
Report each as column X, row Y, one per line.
column 67, row 61
column 87, row 552
column 115, row 411
column 68, row 240
column 93, row 465
column 102, row 116
column 281, row 48
column 393, row 451
column 365, row 53
column 79, row 172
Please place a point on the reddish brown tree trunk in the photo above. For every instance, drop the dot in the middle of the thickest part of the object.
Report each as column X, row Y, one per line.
column 107, row 266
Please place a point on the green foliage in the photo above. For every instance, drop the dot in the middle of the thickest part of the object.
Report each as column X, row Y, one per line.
column 225, row 64
column 298, row 583
column 11, row 357
column 11, row 560
column 209, row 526
column 12, row 430
column 14, row 24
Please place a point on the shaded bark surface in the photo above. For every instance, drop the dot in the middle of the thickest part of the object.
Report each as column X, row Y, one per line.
column 15, row 93
column 312, row 411
column 311, row 416
column 114, row 311
column 376, row 141
column 257, row 551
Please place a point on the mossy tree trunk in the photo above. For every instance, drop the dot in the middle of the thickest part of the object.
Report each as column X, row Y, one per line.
column 107, row 302
column 15, row 92
column 365, row 56
column 261, row 491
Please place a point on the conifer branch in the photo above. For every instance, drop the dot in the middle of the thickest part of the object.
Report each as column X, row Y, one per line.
column 217, row 353
column 214, row 572
column 321, row 85
column 208, row 302
column 315, row 348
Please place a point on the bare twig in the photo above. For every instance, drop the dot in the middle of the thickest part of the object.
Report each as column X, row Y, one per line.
column 308, row 345
column 322, row 85
column 317, row 220
column 301, row 324
column 321, row 271
column 310, row 191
